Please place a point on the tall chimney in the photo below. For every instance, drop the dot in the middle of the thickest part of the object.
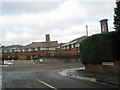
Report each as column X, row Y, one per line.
column 47, row 38
column 117, row 0
column 104, row 25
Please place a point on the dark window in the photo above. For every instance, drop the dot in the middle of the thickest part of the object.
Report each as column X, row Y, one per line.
column 8, row 50
column 20, row 50
column 74, row 45
column 69, row 46
column 65, row 47
column 26, row 49
column 12, row 50
column 33, row 49
column 38, row 48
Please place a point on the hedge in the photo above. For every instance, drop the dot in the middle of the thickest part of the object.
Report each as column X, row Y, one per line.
column 100, row 48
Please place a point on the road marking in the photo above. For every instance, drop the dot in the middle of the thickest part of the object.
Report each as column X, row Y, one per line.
column 3, row 65
column 0, row 82
column 46, row 84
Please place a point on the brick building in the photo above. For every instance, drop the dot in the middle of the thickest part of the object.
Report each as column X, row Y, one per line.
column 31, row 51
column 36, row 50
column 72, row 47
column 10, row 52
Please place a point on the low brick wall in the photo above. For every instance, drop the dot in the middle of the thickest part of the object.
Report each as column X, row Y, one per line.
column 104, row 68
column 59, row 60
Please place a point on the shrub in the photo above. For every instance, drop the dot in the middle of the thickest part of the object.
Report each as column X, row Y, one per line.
column 100, row 48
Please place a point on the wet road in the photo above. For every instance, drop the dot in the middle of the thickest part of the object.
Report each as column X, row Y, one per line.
column 28, row 75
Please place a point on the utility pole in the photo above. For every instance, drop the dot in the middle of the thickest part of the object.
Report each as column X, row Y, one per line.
column 1, row 52
column 87, row 30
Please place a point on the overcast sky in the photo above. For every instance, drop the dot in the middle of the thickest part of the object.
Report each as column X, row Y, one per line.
column 29, row 21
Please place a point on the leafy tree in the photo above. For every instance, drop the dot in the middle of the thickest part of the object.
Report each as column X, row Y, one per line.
column 117, row 16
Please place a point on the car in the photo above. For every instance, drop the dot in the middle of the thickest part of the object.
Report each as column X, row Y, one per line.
column 8, row 63
column 41, row 60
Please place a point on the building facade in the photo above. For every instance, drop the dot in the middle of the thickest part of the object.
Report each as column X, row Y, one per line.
column 71, row 48
column 32, row 51
column 36, row 50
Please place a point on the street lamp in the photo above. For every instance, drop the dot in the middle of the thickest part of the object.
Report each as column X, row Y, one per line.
column 1, row 52
column 87, row 30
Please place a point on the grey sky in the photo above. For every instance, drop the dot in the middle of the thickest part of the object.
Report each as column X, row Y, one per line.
column 26, row 22
column 27, row 7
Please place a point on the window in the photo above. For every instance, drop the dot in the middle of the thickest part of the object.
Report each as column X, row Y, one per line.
column 15, row 50
column 77, row 44
column 51, row 48
column 7, row 51
column 20, row 50
column 2, row 51
column 33, row 49
column 65, row 47
column 42, row 48
column 74, row 45
column 29, row 49
column 69, row 46
column 26, row 49
column 23, row 50
column 12, row 50
column 38, row 48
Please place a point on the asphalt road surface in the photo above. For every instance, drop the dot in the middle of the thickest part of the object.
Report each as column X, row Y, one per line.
column 28, row 75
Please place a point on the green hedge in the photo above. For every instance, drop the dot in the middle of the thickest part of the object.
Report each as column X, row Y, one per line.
column 100, row 48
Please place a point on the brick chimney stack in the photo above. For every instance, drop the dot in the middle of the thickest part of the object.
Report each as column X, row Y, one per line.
column 47, row 38
column 104, row 25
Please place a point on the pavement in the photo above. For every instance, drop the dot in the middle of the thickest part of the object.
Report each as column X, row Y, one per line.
column 81, row 73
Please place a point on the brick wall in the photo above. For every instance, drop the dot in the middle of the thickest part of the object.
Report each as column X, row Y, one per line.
column 104, row 68
column 72, row 51
column 29, row 55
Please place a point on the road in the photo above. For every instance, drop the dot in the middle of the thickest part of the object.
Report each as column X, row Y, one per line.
column 28, row 75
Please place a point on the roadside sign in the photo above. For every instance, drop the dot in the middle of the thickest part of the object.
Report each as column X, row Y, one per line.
column 108, row 63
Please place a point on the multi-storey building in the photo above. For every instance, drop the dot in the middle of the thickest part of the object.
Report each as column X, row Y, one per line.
column 31, row 51
column 10, row 52
column 72, row 47
column 37, row 50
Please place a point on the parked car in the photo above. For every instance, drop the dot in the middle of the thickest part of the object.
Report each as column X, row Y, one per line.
column 41, row 60
column 8, row 63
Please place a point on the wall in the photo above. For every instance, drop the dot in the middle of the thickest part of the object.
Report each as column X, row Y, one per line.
column 30, row 55
column 72, row 51
column 104, row 68
column 59, row 60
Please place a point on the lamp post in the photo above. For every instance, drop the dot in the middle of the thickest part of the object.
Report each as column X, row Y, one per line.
column 1, row 52
column 87, row 30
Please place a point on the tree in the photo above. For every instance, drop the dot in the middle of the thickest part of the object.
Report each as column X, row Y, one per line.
column 117, row 16
column 117, row 28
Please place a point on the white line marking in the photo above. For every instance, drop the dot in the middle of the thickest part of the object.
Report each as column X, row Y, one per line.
column 47, row 84
column 3, row 65
column 0, row 82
